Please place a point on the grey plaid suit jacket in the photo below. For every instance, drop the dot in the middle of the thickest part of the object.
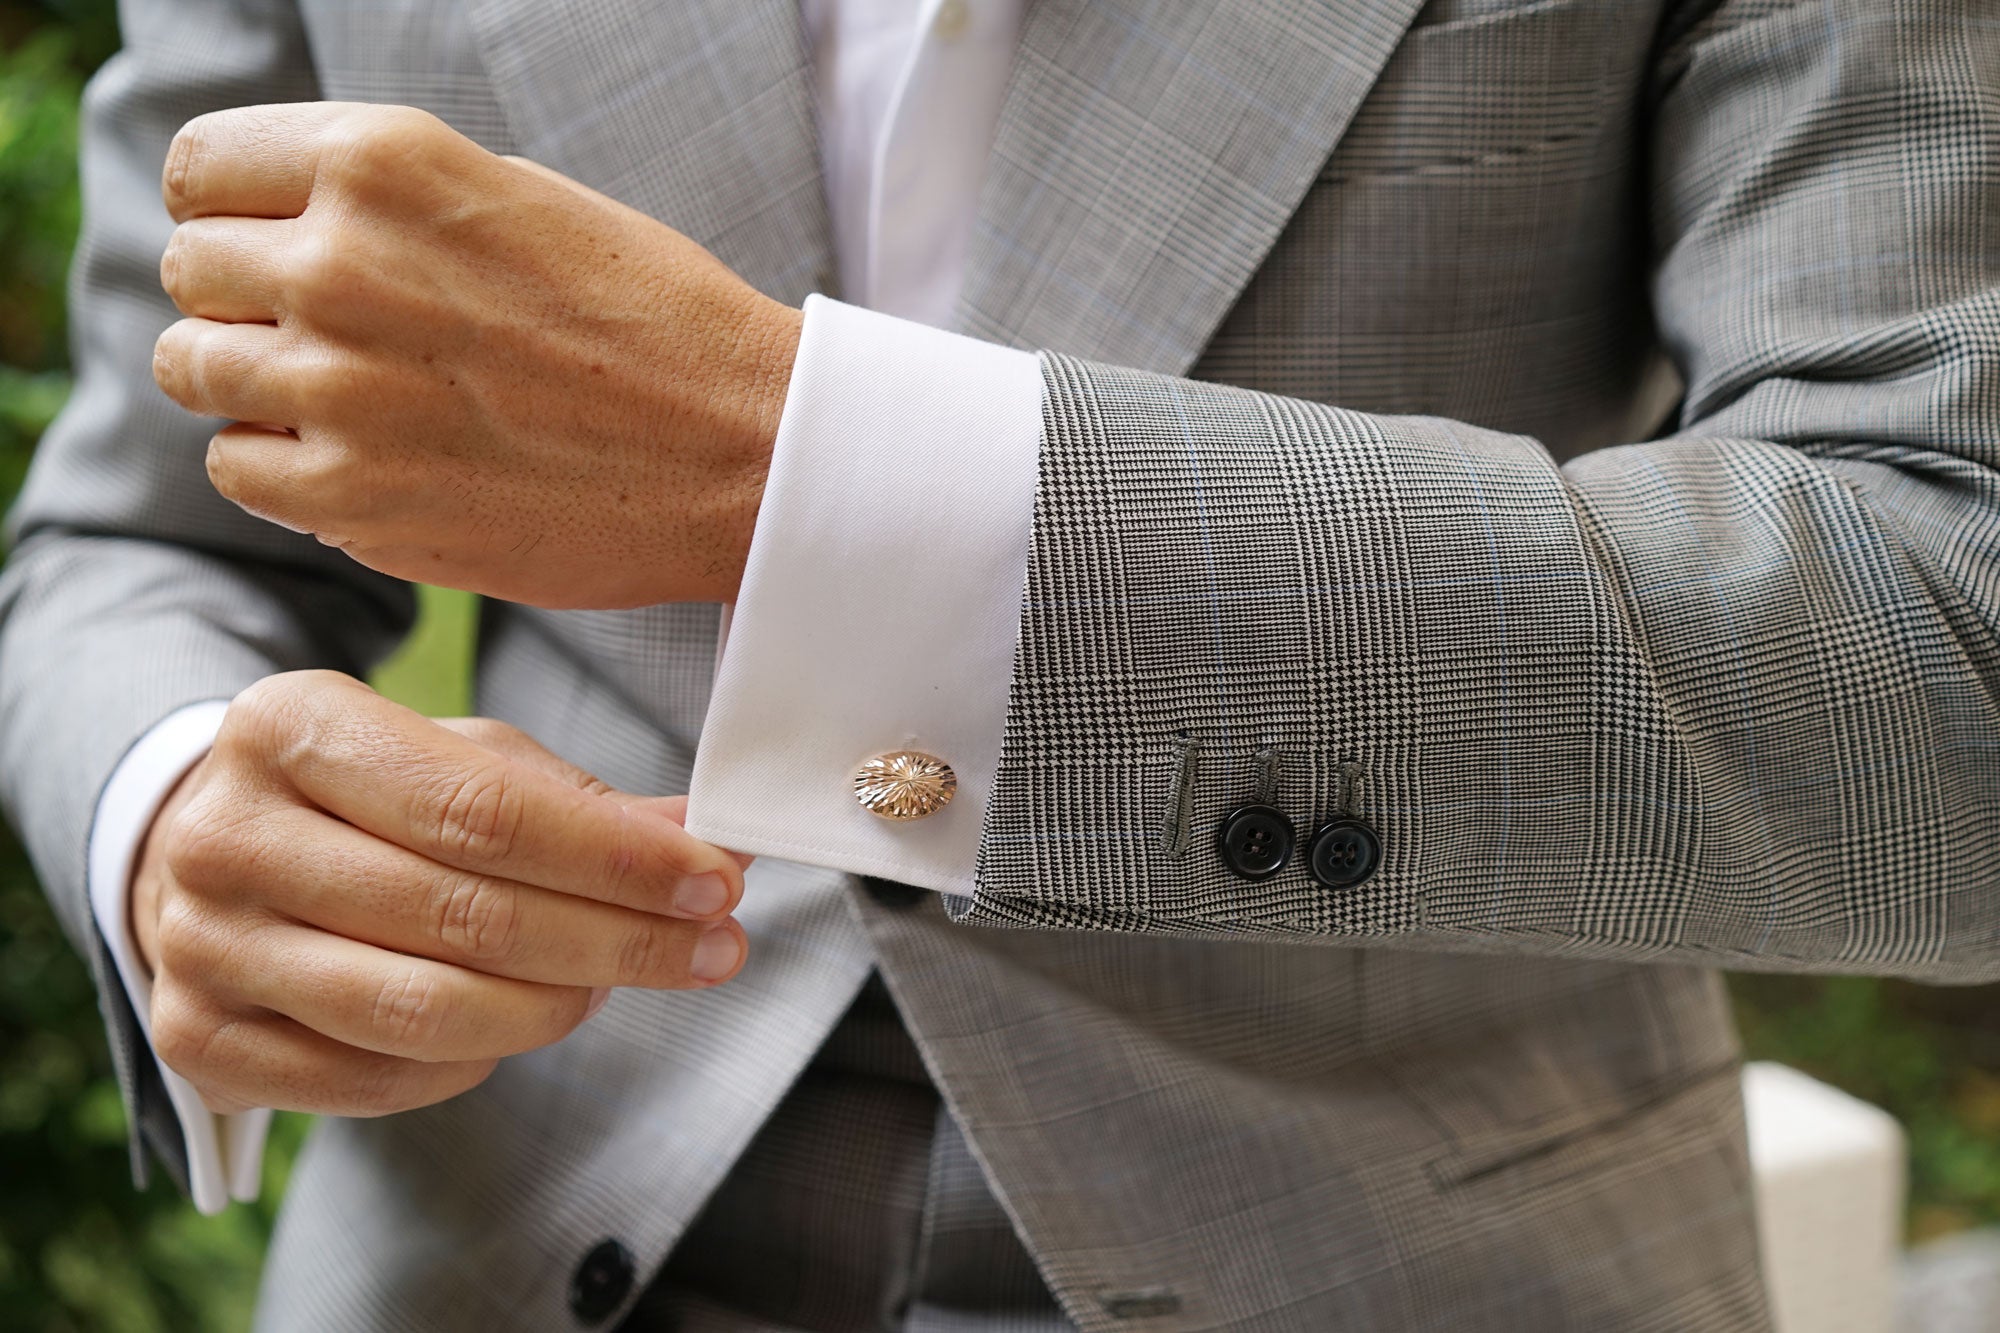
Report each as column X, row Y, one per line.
column 1579, row 413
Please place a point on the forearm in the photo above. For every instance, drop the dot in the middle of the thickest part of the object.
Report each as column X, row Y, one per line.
column 1702, row 699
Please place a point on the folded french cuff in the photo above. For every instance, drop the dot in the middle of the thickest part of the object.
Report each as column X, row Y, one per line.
column 225, row 1153
column 881, row 603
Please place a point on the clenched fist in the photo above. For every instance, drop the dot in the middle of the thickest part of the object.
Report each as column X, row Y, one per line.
column 466, row 369
column 349, row 908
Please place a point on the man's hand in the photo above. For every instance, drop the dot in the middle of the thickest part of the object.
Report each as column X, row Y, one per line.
column 462, row 368
column 351, row 909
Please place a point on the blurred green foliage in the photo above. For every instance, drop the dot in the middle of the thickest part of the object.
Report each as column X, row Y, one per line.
column 79, row 1249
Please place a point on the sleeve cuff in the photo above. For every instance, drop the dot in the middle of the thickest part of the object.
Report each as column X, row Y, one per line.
column 225, row 1154
column 881, row 602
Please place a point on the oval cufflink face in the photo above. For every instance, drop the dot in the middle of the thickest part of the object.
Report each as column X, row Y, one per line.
column 1255, row 841
column 1343, row 853
column 904, row 784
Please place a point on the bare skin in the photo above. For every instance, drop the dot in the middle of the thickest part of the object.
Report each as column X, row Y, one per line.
column 464, row 368
column 468, row 370
column 349, row 908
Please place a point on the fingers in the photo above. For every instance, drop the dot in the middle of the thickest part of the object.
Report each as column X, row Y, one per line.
column 240, row 1060
column 403, row 778
column 344, row 881
column 264, row 161
column 517, row 744
column 227, row 268
column 236, row 371
column 254, row 161
column 297, row 483
column 394, row 1004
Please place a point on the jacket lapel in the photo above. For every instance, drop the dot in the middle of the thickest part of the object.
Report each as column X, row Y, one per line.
column 698, row 112
column 1149, row 154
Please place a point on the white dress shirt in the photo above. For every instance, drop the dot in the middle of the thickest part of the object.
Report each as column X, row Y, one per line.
column 880, row 606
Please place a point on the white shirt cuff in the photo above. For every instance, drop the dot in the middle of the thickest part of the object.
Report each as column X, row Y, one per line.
column 881, row 602
column 225, row 1153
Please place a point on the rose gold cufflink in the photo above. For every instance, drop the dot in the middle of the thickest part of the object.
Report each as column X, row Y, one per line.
column 904, row 784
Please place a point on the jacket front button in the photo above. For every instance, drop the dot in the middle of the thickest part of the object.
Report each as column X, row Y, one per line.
column 1343, row 854
column 601, row 1282
column 1256, row 841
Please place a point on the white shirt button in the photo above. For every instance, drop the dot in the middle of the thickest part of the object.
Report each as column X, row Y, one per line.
column 953, row 17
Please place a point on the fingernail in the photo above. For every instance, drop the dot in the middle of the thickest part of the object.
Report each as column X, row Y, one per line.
column 597, row 999
column 704, row 895
column 716, row 954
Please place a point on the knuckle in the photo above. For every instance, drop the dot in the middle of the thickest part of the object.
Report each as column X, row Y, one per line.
column 337, row 397
column 349, row 151
column 406, row 125
column 269, row 724
column 407, row 1012
column 186, row 938
column 195, row 353
column 172, row 263
column 478, row 919
column 170, row 365
column 380, row 1086
column 262, row 717
column 360, row 150
column 654, row 955
column 200, row 848
column 204, row 945
column 178, row 1040
column 209, row 361
column 186, row 1034
column 490, row 732
column 326, row 270
column 480, row 816
column 186, row 156
column 177, row 938
column 231, row 481
column 625, row 859
column 324, row 390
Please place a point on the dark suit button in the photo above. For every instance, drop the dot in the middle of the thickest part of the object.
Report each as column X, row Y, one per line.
column 1343, row 853
column 601, row 1282
column 1256, row 841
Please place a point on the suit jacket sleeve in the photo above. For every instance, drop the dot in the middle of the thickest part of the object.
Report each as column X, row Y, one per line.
column 1728, row 696
column 134, row 588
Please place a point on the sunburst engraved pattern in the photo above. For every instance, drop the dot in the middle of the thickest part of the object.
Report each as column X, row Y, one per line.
column 904, row 784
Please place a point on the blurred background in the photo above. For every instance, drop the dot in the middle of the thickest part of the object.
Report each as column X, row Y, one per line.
column 79, row 1249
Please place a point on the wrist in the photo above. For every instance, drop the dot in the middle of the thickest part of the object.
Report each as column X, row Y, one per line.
column 774, row 332
column 766, row 347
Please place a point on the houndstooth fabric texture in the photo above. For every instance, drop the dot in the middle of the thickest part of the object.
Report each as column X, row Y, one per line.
column 857, row 1207
column 1725, row 695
